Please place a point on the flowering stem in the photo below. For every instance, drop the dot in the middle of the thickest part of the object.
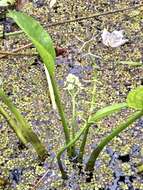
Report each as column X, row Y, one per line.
column 74, row 123
column 61, row 113
column 71, row 143
column 83, row 143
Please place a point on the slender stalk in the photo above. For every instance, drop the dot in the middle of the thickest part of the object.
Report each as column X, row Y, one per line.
column 14, row 126
column 83, row 143
column 61, row 113
column 94, row 155
column 71, row 143
column 74, row 123
column 26, row 130
column 77, row 136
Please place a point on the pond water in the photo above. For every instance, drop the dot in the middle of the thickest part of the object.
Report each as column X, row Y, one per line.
column 25, row 83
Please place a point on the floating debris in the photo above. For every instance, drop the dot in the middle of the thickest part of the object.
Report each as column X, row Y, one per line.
column 113, row 39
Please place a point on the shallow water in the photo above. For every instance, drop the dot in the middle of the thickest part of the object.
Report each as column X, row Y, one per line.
column 27, row 86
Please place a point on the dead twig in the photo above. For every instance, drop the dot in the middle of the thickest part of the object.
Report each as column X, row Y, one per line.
column 95, row 15
column 17, row 54
column 18, row 49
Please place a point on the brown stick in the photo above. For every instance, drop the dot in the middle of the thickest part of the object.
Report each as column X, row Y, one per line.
column 17, row 54
column 18, row 49
column 95, row 15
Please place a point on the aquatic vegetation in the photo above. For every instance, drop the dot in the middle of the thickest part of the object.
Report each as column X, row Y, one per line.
column 20, row 126
column 45, row 48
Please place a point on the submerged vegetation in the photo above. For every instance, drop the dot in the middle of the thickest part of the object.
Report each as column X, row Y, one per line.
column 76, row 135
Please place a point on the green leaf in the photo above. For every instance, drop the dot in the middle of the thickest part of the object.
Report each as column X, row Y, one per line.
column 39, row 37
column 42, row 42
column 132, row 63
column 135, row 98
column 104, row 112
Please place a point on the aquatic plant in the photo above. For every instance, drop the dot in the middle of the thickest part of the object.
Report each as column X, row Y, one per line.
column 44, row 45
column 45, row 48
column 134, row 100
column 20, row 126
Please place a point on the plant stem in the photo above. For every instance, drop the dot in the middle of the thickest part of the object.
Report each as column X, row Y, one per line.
column 94, row 155
column 26, row 130
column 14, row 126
column 61, row 113
column 72, row 142
column 83, row 143
column 74, row 123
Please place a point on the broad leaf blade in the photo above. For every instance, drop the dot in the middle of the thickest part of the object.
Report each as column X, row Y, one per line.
column 38, row 36
column 135, row 98
column 104, row 112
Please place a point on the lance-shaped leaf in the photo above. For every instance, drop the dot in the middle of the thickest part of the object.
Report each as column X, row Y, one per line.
column 38, row 36
column 104, row 112
column 135, row 98
column 44, row 45
column 42, row 42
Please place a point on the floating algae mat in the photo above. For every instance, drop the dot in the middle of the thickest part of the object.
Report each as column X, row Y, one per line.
column 93, row 92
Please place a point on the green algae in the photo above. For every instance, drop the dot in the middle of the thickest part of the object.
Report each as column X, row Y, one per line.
column 31, row 96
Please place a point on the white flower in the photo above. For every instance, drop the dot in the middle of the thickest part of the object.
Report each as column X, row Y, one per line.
column 72, row 83
column 113, row 39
